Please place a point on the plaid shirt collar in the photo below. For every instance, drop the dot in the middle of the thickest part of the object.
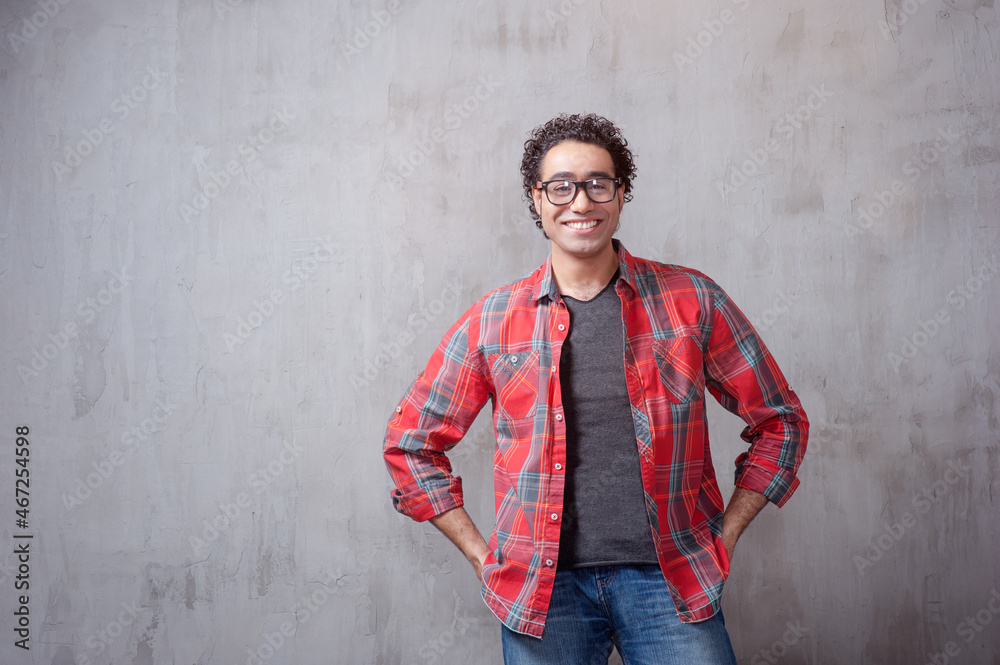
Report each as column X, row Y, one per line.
column 545, row 283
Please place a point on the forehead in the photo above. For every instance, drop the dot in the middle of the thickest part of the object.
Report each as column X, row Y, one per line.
column 576, row 159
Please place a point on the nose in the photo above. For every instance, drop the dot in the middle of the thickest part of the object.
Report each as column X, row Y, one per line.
column 581, row 202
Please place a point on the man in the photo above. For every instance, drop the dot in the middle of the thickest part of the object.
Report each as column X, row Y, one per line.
column 610, row 527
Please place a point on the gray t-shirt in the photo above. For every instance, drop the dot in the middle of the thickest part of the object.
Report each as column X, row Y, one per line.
column 604, row 515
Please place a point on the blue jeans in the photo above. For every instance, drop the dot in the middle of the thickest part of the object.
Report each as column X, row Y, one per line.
column 627, row 606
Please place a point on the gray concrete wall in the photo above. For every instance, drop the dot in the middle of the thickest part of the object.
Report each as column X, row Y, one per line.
column 232, row 232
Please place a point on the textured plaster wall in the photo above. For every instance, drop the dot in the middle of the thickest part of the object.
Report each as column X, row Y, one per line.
column 232, row 232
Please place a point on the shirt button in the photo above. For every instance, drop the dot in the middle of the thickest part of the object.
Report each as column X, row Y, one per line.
column 513, row 359
column 548, row 562
column 399, row 409
column 558, row 466
column 553, row 368
column 561, row 327
column 558, row 416
column 555, row 516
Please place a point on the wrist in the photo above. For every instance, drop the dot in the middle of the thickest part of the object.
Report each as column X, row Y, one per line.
column 478, row 562
column 478, row 558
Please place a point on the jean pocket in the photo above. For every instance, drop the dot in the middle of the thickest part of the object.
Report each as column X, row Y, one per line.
column 515, row 380
column 682, row 370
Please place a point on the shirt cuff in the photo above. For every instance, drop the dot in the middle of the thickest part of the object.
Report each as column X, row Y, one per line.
column 764, row 477
column 420, row 507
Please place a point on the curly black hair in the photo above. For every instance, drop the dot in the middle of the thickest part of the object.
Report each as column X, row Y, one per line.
column 590, row 128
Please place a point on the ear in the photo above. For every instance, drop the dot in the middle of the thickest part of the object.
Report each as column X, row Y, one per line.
column 536, row 196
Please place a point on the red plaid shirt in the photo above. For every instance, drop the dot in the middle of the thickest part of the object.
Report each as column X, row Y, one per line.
column 682, row 335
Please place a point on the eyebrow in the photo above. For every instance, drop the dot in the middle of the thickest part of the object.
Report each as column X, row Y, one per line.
column 568, row 175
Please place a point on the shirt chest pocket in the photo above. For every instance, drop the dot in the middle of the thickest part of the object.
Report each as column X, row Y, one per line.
column 515, row 380
column 681, row 366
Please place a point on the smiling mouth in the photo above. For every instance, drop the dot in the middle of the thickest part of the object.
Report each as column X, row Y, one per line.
column 582, row 226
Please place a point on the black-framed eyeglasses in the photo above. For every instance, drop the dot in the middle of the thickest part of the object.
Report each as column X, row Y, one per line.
column 599, row 190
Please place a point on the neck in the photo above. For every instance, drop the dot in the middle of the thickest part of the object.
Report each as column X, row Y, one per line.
column 583, row 277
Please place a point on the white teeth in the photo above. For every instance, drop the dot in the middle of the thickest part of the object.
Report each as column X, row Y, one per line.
column 581, row 225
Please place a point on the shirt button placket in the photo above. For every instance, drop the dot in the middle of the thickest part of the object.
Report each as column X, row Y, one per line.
column 555, row 516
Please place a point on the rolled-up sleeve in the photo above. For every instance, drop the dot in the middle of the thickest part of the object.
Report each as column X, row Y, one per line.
column 744, row 377
column 433, row 416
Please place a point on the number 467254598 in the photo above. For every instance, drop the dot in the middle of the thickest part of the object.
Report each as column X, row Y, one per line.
column 21, row 495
